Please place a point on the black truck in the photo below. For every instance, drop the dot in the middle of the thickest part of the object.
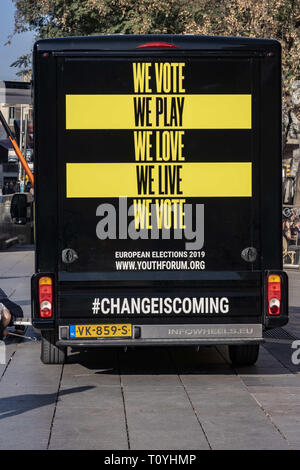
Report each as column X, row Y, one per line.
column 158, row 193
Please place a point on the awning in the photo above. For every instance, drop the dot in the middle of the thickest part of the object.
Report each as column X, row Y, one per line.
column 15, row 92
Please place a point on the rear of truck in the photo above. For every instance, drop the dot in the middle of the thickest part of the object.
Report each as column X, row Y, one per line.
column 158, row 193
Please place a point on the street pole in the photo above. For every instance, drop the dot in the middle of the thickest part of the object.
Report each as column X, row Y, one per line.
column 21, row 142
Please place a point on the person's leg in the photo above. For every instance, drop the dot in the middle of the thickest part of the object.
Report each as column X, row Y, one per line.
column 13, row 311
column 5, row 319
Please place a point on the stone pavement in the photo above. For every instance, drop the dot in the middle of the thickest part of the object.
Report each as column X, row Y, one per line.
column 146, row 398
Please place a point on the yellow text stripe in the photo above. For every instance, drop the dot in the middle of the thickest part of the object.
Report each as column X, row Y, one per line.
column 164, row 111
column 193, row 180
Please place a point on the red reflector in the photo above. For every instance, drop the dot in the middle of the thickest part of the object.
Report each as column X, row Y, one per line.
column 157, row 45
column 274, row 294
column 45, row 291
column 275, row 310
column 46, row 312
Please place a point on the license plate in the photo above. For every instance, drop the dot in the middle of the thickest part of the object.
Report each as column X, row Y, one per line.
column 101, row 331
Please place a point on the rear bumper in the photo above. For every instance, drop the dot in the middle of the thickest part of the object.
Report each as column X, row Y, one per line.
column 147, row 342
column 173, row 335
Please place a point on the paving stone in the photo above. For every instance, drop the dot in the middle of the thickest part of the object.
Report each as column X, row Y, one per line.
column 91, row 418
column 272, row 381
column 95, row 367
column 233, row 420
column 26, row 430
column 26, row 368
column 91, row 396
column 27, row 400
column 162, row 419
column 89, row 428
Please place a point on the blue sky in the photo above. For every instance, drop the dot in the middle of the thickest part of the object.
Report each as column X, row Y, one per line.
column 21, row 43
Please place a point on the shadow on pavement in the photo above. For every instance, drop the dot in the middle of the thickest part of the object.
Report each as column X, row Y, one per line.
column 18, row 404
column 161, row 361
column 209, row 360
column 18, row 247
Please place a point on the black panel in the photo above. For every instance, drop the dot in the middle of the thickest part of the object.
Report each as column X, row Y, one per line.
column 45, row 127
column 231, row 224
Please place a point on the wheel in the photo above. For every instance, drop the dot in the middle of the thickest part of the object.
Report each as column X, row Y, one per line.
column 243, row 355
column 50, row 353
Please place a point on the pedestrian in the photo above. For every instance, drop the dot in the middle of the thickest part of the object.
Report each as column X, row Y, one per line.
column 11, row 188
column 9, row 311
column 28, row 187
column 22, row 185
column 5, row 188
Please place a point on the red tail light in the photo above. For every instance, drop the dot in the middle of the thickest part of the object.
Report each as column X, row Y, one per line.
column 46, row 297
column 157, row 45
column 274, row 294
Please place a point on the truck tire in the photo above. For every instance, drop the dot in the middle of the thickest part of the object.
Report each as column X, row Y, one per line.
column 50, row 353
column 243, row 355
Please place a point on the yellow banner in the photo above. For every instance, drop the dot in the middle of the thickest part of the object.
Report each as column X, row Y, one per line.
column 149, row 111
column 159, row 180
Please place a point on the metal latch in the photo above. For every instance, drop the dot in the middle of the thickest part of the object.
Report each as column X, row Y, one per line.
column 249, row 254
column 68, row 256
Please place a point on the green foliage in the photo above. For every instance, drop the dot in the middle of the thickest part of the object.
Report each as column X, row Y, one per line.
column 23, row 63
column 55, row 18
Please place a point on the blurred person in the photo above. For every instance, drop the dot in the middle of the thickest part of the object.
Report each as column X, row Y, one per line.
column 11, row 188
column 22, row 186
column 28, row 187
column 288, row 229
column 5, row 188
column 296, row 229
